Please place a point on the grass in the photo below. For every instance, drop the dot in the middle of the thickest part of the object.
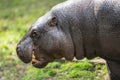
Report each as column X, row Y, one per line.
column 16, row 17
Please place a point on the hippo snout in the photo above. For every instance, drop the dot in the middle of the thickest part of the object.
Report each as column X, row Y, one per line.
column 22, row 55
column 24, row 51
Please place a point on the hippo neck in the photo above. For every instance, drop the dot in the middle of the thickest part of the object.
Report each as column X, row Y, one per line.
column 84, row 32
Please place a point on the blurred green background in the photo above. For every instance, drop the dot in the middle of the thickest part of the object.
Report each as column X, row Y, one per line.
column 16, row 17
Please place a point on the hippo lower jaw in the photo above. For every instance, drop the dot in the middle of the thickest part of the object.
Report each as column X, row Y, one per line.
column 38, row 63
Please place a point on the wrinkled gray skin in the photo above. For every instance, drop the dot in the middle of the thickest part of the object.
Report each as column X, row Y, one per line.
column 76, row 28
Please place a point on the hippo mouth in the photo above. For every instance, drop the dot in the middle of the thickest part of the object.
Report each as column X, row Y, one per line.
column 38, row 62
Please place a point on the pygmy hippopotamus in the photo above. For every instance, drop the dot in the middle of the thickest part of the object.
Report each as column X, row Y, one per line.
column 75, row 28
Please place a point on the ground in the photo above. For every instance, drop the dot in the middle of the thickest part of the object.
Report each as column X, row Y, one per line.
column 16, row 17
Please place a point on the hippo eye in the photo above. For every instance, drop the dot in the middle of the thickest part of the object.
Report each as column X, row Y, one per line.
column 34, row 34
column 53, row 22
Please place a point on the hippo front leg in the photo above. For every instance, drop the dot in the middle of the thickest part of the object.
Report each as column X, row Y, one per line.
column 114, row 70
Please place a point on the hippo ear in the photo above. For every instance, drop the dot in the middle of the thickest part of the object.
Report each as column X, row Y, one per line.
column 52, row 22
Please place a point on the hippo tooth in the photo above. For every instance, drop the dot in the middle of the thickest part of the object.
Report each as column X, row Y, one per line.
column 33, row 56
column 34, row 60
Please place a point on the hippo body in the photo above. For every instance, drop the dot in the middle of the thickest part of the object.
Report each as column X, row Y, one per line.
column 75, row 28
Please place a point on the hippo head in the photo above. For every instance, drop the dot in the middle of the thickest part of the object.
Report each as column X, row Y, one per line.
column 47, row 40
